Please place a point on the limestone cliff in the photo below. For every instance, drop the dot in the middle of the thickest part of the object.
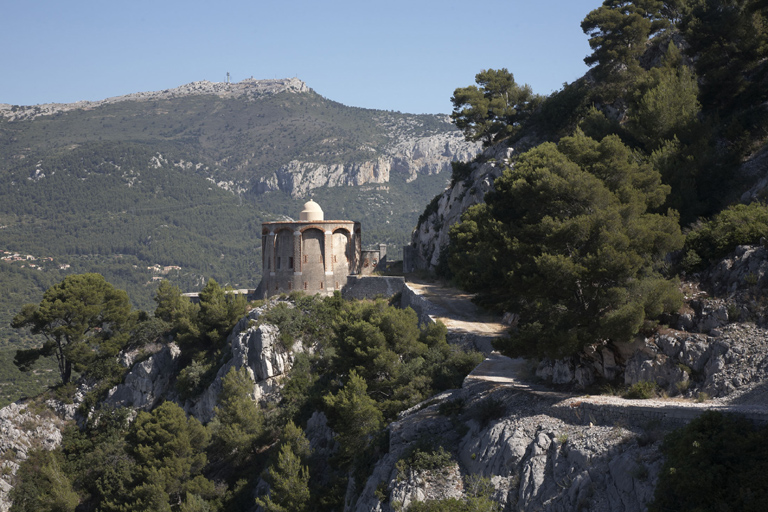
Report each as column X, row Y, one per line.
column 407, row 156
column 534, row 460
column 256, row 347
column 431, row 234
column 26, row 426
column 148, row 382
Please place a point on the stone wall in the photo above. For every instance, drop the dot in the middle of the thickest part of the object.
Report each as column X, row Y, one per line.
column 423, row 307
column 653, row 415
column 369, row 287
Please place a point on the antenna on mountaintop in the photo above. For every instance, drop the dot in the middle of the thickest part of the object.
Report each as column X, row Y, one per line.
column 228, row 77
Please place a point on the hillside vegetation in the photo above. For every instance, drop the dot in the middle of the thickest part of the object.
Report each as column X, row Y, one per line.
column 582, row 235
column 360, row 363
column 167, row 187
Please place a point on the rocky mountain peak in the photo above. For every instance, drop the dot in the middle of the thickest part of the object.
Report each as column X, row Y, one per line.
column 249, row 87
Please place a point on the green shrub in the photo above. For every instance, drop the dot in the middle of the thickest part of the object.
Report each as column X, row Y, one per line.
column 430, row 209
column 193, row 378
column 460, row 171
column 717, row 462
column 702, row 397
column 642, row 390
column 488, row 410
column 451, row 407
column 741, row 224
column 423, row 456
column 478, row 499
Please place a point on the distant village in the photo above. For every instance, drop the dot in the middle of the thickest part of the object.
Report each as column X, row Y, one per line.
column 162, row 270
column 28, row 260
column 48, row 263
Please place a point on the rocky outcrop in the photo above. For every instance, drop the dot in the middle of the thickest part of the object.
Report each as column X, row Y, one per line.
column 743, row 271
column 730, row 359
column 754, row 168
column 256, row 347
column 410, row 157
column 253, row 345
column 431, row 235
column 24, row 427
column 249, row 87
column 299, row 178
column 534, row 460
column 716, row 345
column 430, row 155
column 149, row 382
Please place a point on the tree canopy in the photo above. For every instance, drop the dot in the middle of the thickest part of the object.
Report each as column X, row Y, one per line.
column 569, row 242
column 238, row 422
column 618, row 31
column 170, row 451
column 495, row 108
column 82, row 318
column 288, row 478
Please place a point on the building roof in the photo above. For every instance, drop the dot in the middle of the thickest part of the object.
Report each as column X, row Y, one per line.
column 311, row 212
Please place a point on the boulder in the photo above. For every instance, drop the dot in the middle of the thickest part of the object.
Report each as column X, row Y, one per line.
column 659, row 369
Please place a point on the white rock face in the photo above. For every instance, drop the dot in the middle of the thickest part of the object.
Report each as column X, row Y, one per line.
column 431, row 155
column 260, row 351
column 299, row 178
column 431, row 235
column 257, row 348
column 21, row 430
column 408, row 156
column 534, row 460
column 148, row 382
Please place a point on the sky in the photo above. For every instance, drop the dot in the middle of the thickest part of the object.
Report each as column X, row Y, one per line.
column 401, row 55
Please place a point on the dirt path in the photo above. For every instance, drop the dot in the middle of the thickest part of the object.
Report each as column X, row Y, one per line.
column 460, row 315
column 457, row 311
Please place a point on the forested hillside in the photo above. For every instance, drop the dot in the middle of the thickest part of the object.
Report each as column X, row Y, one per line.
column 170, row 185
column 582, row 234
column 608, row 204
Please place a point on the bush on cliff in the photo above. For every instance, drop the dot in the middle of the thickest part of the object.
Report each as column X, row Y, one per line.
column 741, row 224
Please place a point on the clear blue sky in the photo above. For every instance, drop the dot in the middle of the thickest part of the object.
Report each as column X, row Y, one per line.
column 394, row 55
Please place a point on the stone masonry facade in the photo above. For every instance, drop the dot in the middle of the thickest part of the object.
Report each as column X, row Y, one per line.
column 313, row 255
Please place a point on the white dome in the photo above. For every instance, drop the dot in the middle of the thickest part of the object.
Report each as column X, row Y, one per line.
column 311, row 212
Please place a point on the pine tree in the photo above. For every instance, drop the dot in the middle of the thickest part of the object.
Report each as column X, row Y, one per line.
column 289, row 484
column 238, row 421
column 567, row 241
column 43, row 486
column 170, row 451
column 356, row 417
column 618, row 31
column 494, row 109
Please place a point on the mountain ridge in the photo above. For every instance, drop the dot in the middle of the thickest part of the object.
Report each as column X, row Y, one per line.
column 188, row 174
column 250, row 86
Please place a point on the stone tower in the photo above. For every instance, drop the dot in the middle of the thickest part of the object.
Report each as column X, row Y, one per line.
column 312, row 255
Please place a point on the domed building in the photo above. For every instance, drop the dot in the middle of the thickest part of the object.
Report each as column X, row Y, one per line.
column 313, row 255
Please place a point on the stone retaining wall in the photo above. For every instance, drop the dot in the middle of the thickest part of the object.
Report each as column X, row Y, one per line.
column 423, row 307
column 664, row 417
column 370, row 287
